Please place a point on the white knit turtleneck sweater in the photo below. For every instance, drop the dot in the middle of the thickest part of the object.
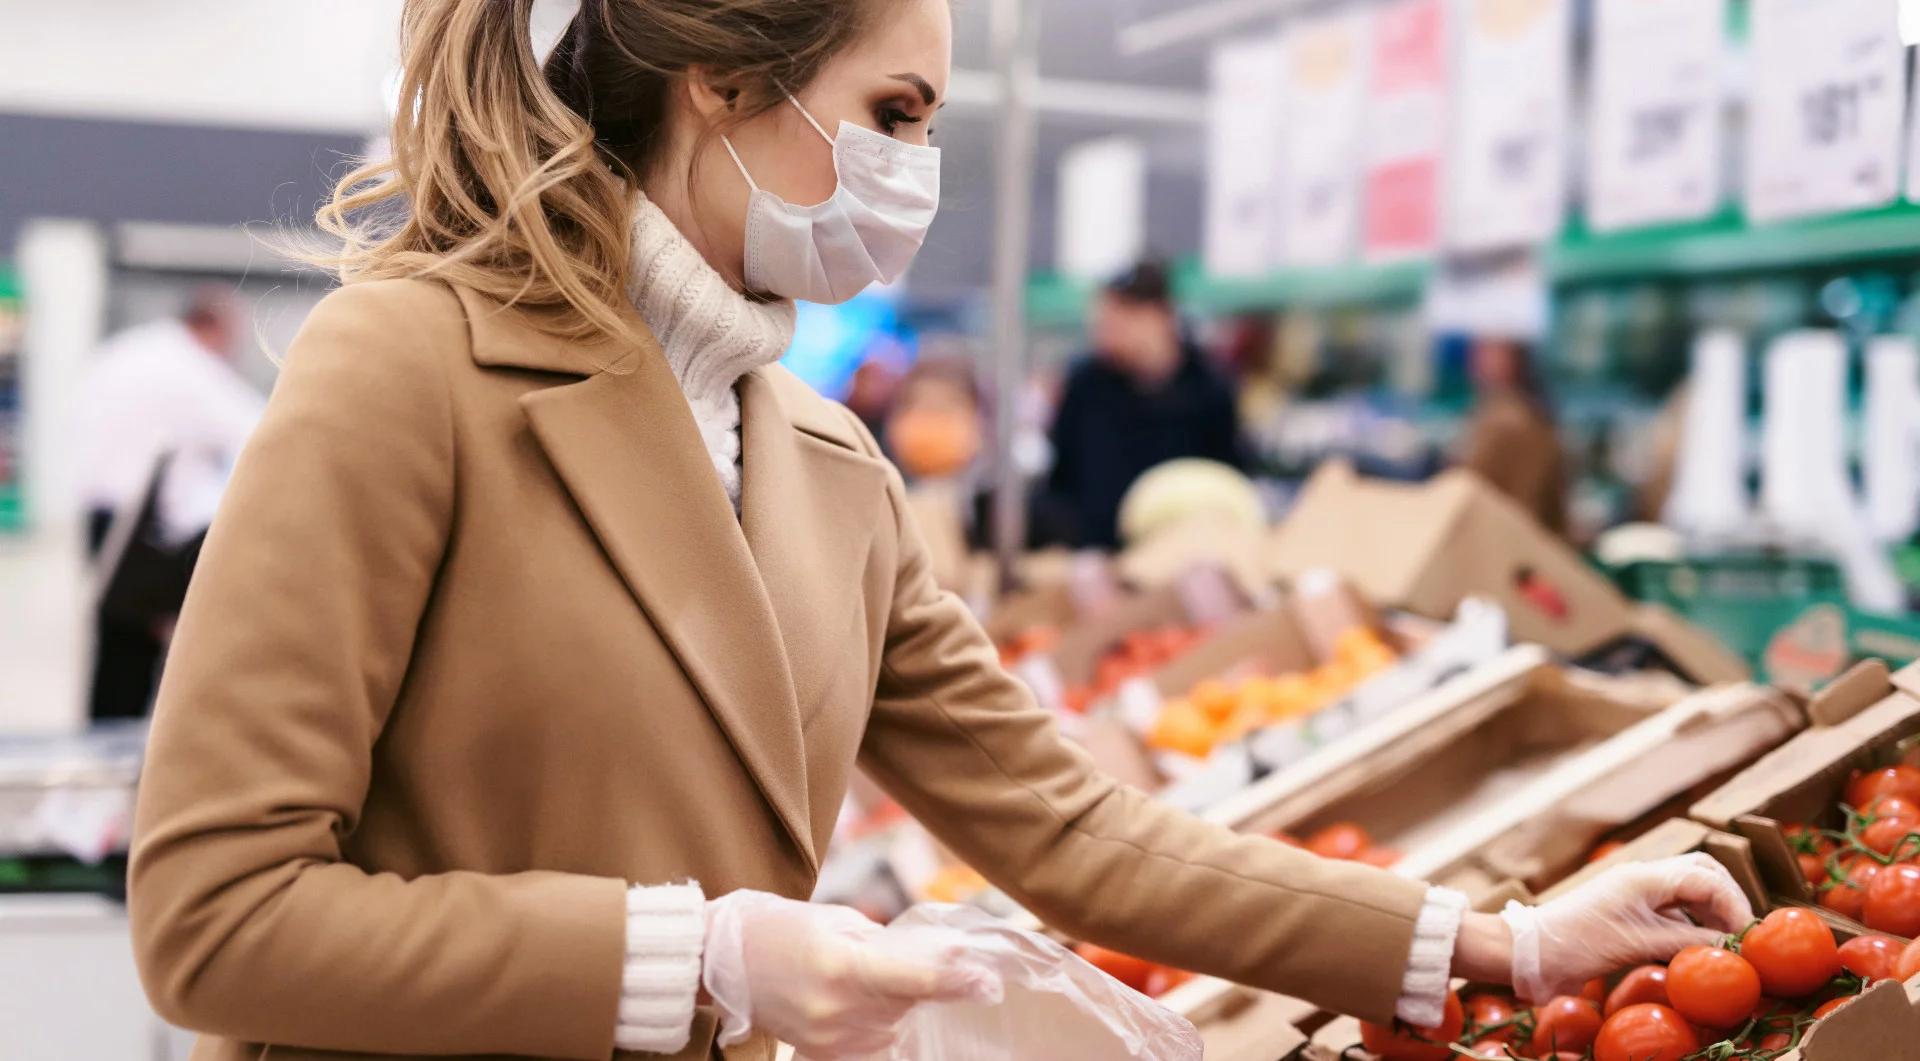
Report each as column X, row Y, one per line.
column 711, row 333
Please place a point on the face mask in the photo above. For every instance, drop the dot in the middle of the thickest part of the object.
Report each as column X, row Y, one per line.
column 867, row 232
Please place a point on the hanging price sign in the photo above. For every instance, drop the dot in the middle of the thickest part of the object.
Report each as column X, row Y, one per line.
column 1243, row 157
column 1829, row 89
column 1324, row 90
column 1508, row 171
column 1655, row 151
column 1405, row 129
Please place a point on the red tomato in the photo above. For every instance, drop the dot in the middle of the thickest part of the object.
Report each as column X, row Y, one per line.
column 1714, row 987
column 1163, row 979
column 1793, row 951
column 1870, row 957
column 1909, row 966
column 1864, row 788
column 1813, row 868
column 1125, row 968
column 1401, row 1043
column 1894, row 807
column 1887, row 834
column 1594, row 991
column 1494, row 1049
column 1775, row 1041
column 1849, row 898
column 1486, row 1010
column 1893, row 901
column 1645, row 1032
column 1648, row 983
column 1342, row 840
column 1603, row 850
column 1566, row 1023
column 1832, row 1004
column 1808, row 839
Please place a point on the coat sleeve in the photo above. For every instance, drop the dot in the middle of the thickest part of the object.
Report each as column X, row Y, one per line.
column 966, row 749
column 248, row 922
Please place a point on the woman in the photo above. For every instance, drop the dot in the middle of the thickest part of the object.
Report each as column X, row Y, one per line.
column 545, row 619
column 1510, row 440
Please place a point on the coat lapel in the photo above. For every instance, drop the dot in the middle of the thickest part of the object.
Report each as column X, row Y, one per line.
column 810, row 509
column 625, row 444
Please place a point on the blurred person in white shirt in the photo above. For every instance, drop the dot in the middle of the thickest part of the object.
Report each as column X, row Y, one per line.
column 163, row 414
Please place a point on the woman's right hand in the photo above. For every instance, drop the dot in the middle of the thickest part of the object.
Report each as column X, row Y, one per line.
column 818, row 978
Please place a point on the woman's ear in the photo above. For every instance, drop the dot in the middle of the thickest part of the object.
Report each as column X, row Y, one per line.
column 712, row 95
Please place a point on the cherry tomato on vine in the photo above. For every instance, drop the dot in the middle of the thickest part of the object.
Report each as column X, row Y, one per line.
column 1893, row 807
column 1647, row 1032
column 1402, row 1043
column 1711, row 986
column 1809, row 839
column 1812, row 867
column 1341, row 840
column 1893, row 901
column 1832, row 1004
column 1568, row 1022
column 1886, row 835
column 1775, row 1041
column 1865, row 787
column 1487, row 1010
column 1648, row 983
column 1793, row 951
column 1871, row 957
column 1594, row 991
column 1848, row 897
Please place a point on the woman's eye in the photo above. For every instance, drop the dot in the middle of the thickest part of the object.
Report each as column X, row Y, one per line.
column 891, row 119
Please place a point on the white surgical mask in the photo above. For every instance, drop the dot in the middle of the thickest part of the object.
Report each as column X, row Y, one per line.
column 866, row 233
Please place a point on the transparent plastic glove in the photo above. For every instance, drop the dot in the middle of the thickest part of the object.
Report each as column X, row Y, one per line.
column 1632, row 914
column 817, row 977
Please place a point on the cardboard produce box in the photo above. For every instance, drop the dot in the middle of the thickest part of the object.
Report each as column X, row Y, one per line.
column 1862, row 720
column 1882, row 1023
column 1425, row 547
column 1631, row 779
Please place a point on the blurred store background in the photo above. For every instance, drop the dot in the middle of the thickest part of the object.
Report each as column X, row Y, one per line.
column 1651, row 268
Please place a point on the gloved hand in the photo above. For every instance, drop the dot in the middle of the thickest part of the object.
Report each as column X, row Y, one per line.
column 814, row 976
column 1630, row 915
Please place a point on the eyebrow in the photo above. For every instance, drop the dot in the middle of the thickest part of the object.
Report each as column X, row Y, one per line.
column 918, row 82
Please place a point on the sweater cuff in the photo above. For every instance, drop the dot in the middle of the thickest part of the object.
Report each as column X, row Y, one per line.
column 1423, row 989
column 666, row 925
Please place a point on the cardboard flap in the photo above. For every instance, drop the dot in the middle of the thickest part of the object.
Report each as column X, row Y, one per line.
column 1701, row 655
column 1805, row 757
column 1881, row 1024
column 1864, row 684
column 1907, row 679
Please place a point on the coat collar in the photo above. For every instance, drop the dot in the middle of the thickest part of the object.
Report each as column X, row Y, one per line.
column 750, row 605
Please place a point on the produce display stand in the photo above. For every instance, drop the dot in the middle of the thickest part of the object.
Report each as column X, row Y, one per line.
column 1879, row 1025
column 1526, row 770
column 1863, row 719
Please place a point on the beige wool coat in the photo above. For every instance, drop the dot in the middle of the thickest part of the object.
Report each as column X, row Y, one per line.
column 477, row 640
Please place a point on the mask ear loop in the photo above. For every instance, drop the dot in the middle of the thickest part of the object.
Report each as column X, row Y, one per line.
column 742, row 166
column 809, row 118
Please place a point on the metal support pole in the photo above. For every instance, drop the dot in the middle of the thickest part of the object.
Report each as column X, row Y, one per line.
column 1015, row 27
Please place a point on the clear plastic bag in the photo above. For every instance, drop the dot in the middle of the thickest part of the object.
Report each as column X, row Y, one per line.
column 1055, row 1005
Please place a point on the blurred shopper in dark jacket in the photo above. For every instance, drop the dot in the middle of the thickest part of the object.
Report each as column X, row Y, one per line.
column 1510, row 439
column 1145, row 396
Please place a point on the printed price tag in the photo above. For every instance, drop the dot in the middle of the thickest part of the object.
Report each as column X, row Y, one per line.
column 1825, row 118
column 1508, row 168
column 1319, row 204
column 1243, row 157
column 1405, row 128
column 1655, row 151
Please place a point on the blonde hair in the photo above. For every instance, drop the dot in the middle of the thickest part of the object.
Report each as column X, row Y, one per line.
column 517, row 181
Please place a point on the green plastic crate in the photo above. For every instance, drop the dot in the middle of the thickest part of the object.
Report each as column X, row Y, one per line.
column 1743, row 600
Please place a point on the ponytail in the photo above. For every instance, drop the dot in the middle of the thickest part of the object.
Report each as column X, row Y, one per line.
column 493, row 182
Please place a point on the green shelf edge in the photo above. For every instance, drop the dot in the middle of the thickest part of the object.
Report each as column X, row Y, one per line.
column 1722, row 245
